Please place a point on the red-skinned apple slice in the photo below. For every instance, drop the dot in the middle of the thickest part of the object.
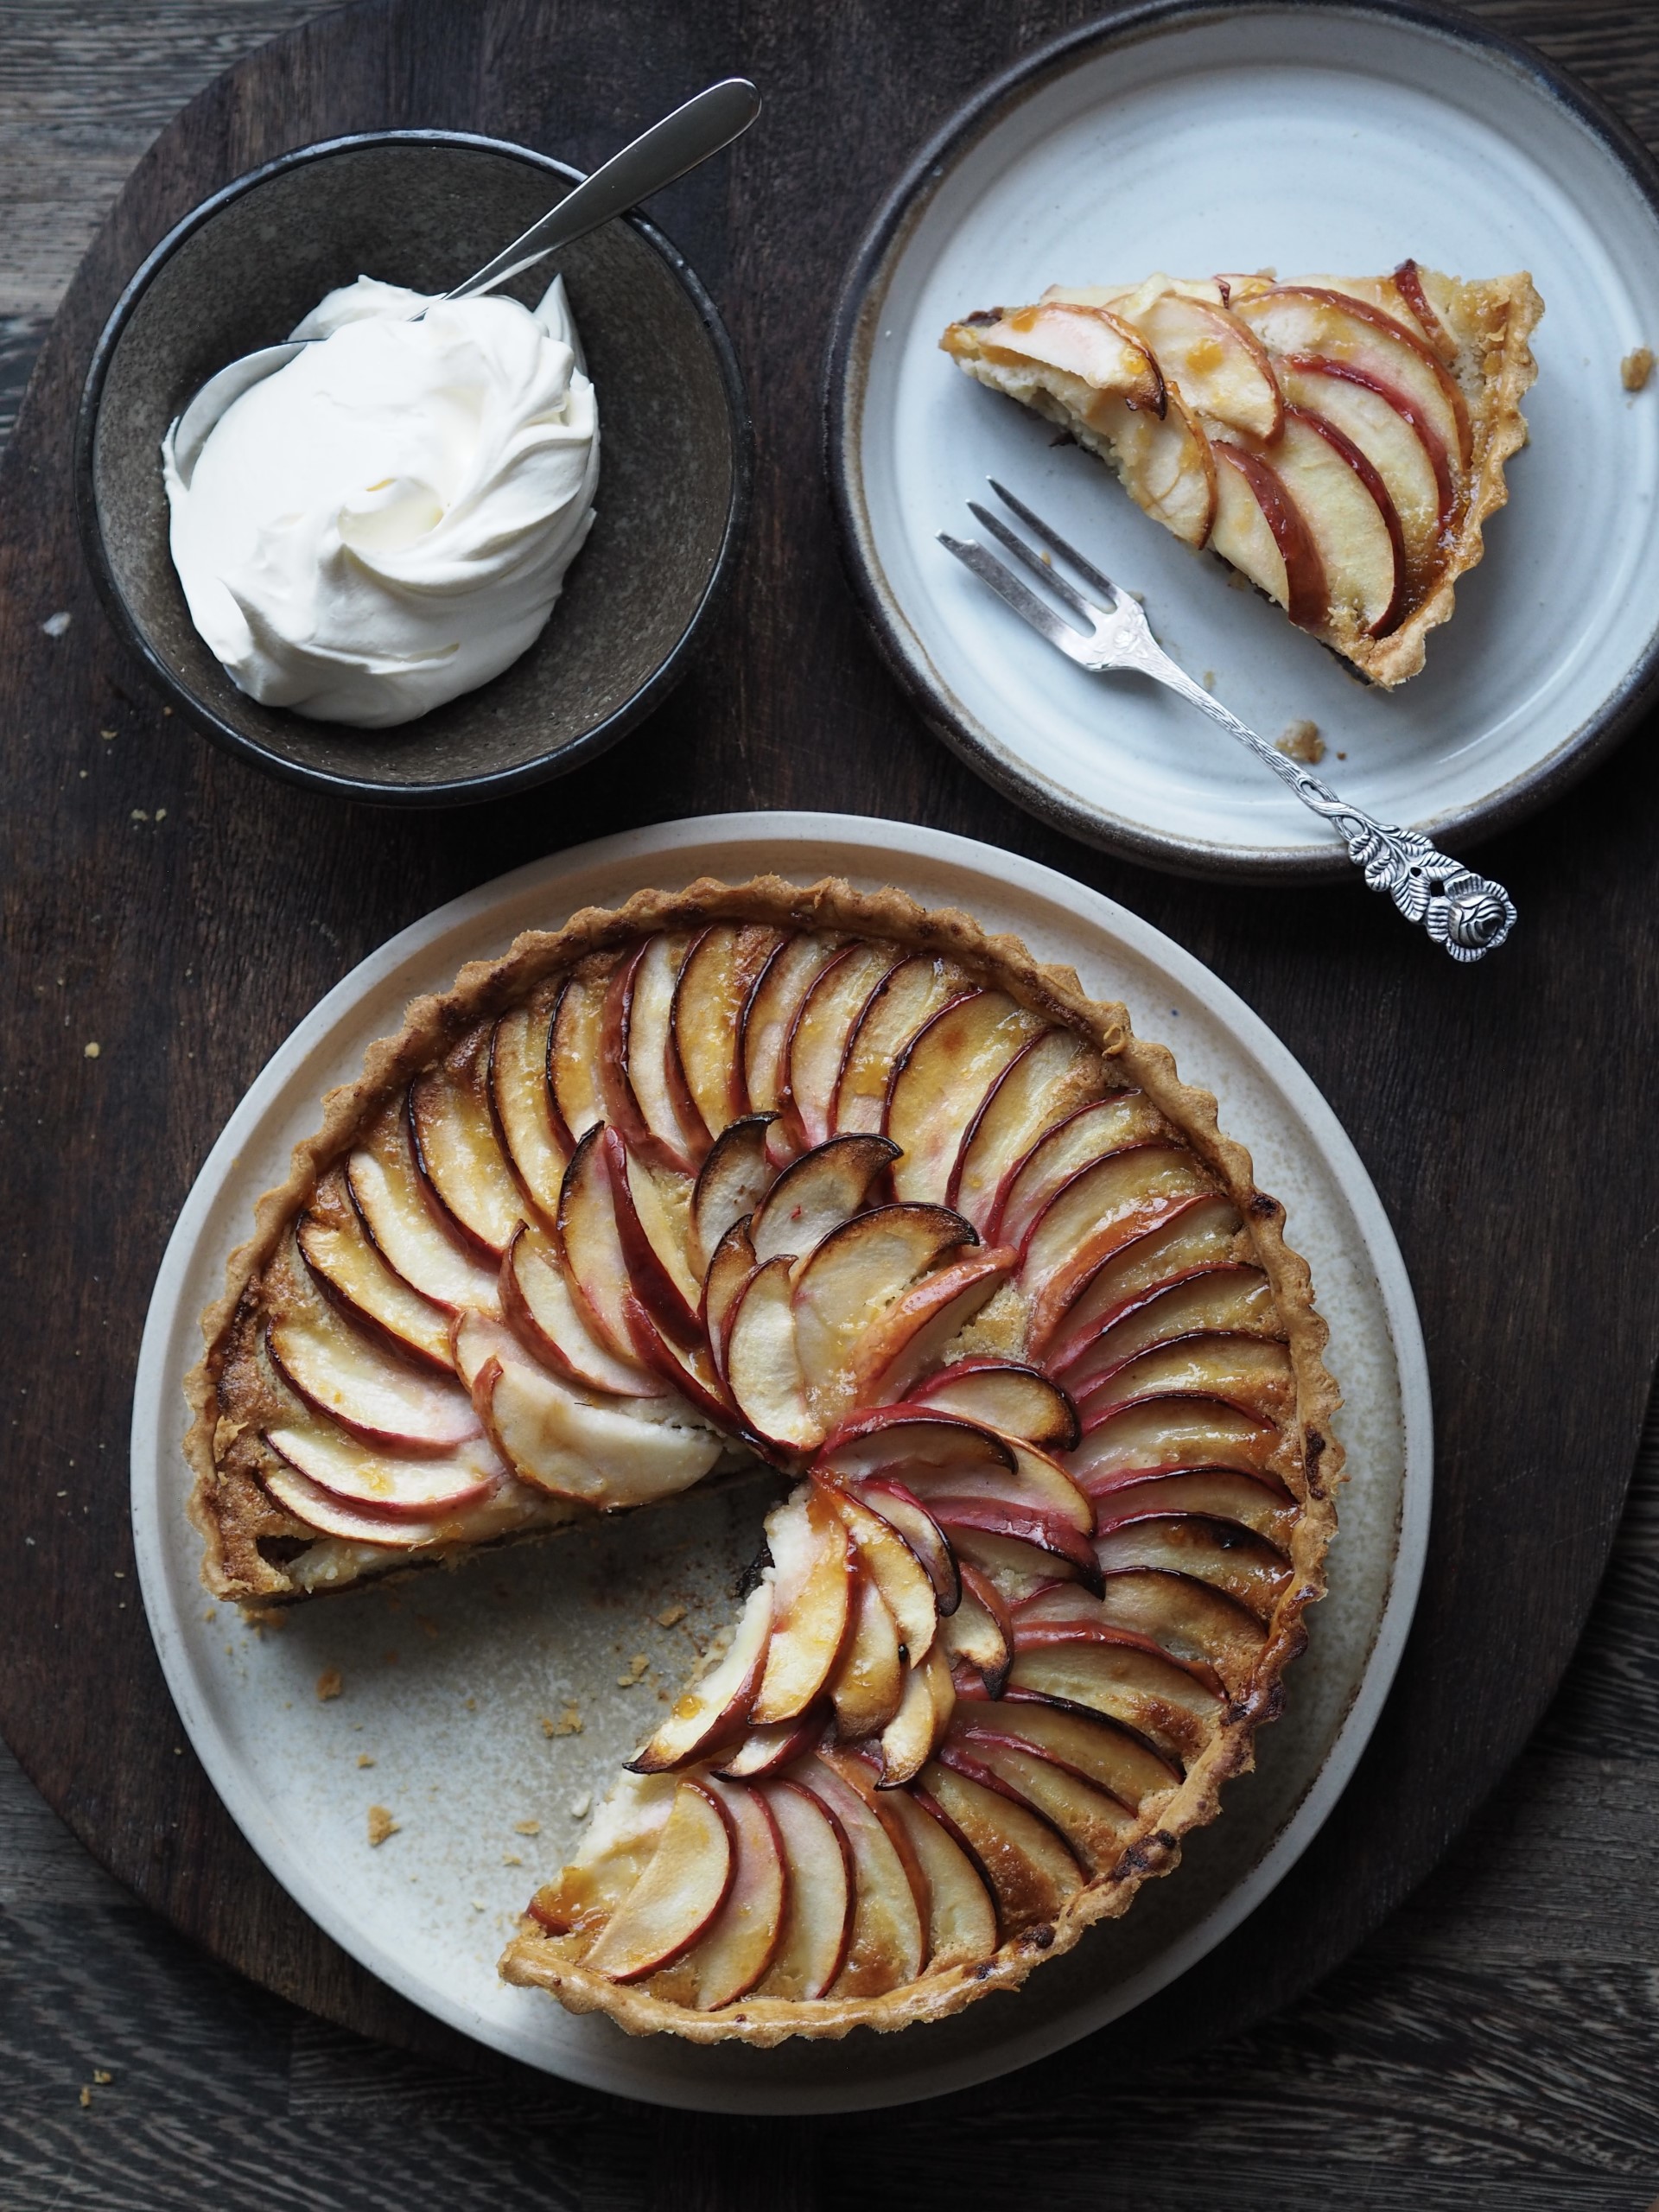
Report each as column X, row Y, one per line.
column 860, row 1769
column 1303, row 322
column 689, row 1370
column 1351, row 518
column 1264, row 1508
column 762, row 1368
column 576, row 1049
column 684, row 1886
column 869, row 1683
column 905, row 998
column 1101, row 1751
column 337, row 1248
column 817, row 1194
column 588, row 1235
column 980, row 1631
column 1219, row 366
column 1163, row 462
column 909, row 1339
column 887, row 1948
column 386, row 1191
column 853, row 1275
column 1033, row 1874
column 615, row 1852
column 979, row 1527
column 634, row 1054
column 918, row 1728
column 538, row 1306
column 1141, row 1688
column 458, row 1154
column 731, row 1182
column 719, row 973
column 1089, row 352
column 943, row 1080
column 1252, row 1373
column 1093, row 1216
column 1217, row 1553
column 1094, row 1132
column 652, row 1246
column 340, row 1371
column 727, row 1277
column 417, row 1486
column 738, row 1946
column 962, row 1928
column 1260, row 529
column 1217, row 1641
column 819, row 1035
column 906, row 1439
column 892, row 1502
column 888, row 1561
column 813, row 1583
column 1037, row 1479
column 1408, row 279
column 1094, row 1826
column 1008, row 1395
column 766, row 1751
column 1401, row 448
column 1206, row 1233
column 324, row 1514
column 1164, row 1435
column 818, row 1908
column 521, row 1102
column 714, row 1710
column 1047, row 1082
column 770, row 1015
column 1232, row 1298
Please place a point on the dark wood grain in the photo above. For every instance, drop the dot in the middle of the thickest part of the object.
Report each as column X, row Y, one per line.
column 153, row 938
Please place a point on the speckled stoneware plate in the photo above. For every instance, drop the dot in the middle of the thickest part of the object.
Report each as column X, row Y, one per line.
column 1302, row 137
column 446, row 1682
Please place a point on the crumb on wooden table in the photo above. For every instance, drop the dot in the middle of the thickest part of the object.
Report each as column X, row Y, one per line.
column 330, row 1683
column 1300, row 741
column 381, row 1825
column 1635, row 368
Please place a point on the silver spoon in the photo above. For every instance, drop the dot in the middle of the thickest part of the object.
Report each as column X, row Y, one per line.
column 655, row 159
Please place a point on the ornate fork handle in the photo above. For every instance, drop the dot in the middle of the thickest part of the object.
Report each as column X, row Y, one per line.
column 1469, row 914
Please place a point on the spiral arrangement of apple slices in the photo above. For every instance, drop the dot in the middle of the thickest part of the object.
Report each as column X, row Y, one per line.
column 1339, row 440
column 1023, row 1333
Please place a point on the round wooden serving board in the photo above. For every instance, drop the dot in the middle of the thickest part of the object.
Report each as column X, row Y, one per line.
column 180, row 912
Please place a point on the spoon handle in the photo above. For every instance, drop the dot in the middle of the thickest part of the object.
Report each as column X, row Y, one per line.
column 656, row 158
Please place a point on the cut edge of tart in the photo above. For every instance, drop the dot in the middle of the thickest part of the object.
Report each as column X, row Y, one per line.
column 1012, row 1635
column 1339, row 441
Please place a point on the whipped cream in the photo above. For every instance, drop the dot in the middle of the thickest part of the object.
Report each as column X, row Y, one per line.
column 386, row 521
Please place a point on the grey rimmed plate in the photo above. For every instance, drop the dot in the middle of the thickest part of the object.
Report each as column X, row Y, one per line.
column 1307, row 137
column 453, row 1727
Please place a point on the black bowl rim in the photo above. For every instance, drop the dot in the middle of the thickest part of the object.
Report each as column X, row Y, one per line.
column 844, row 373
column 466, row 790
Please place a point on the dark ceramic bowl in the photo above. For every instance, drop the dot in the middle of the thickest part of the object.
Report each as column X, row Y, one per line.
column 421, row 208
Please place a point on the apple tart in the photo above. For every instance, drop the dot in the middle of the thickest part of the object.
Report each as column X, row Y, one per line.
column 1339, row 440
column 824, row 1180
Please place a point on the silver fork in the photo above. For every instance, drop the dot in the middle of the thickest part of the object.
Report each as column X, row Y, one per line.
column 1469, row 914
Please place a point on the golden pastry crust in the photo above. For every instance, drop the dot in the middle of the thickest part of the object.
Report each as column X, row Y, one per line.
column 233, row 1513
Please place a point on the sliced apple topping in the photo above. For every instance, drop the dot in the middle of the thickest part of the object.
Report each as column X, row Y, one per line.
column 1230, row 1559
column 1165, row 463
column 387, row 1189
column 1094, row 1215
column 914, row 1334
column 731, row 1182
column 766, row 1751
column 770, row 1015
column 813, row 1577
column 818, row 1923
column 1063, row 1148
column 1351, row 519
column 326, row 1513
column 419, row 1484
column 634, row 1072
column 888, row 1940
column 592, row 1244
column 339, row 1254
column 916, row 1729
column 576, row 1049
column 1098, row 1750
column 1015, row 1542
column 459, row 1154
column 1120, row 1678
column 1016, row 1400
column 1301, row 322
column 1263, row 1508
column 855, row 1273
column 1262, row 530
column 653, row 1243
column 980, row 1632
column 1205, row 1233
column 1045, row 1084
column 714, row 986
column 739, row 1943
column 522, row 1099
column 1252, row 1373
column 893, row 1560
column 540, row 1308
column 763, row 1366
column 1093, row 1825
column 907, row 998
column 962, row 1928
column 869, row 1682
column 817, row 1193
column 1218, row 364
column 943, row 1080
column 1033, row 1871
column 1167, row 1434
column 820, row 1033
column 714, row 1709
column 1406, row 453
column 684, row 1886
column 1084, row 353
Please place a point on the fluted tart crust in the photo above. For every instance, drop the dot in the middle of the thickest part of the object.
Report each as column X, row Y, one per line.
column 822, row 1178
column 1341, row 441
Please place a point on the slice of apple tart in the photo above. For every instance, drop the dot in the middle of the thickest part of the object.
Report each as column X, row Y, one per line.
column 1339, row 440
column 822, row 1179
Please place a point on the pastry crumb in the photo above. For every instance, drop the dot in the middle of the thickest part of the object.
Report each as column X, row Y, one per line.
column 1635, row 368
column 55, row 625
column 578, row 1806
column 568, row 1724
column 526, row 1828
column 1300, row 741
column 1209, row 679
column 91, row 1052
column 670, row 1617
column 637, row 1667
column 381, row 1825
column 366, row 1758
column 511, row 1859
column 330, row 1683
column 102, row 2076
column 85, row 2097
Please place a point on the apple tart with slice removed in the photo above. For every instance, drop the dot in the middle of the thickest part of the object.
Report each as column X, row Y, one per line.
column 1340, row 441
column 822, row 1178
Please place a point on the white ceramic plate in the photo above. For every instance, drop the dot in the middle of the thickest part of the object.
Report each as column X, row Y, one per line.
column 446, row 1680
column 1305, row 138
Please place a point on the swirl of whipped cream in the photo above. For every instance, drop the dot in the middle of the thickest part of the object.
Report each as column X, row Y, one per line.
column 386, row 523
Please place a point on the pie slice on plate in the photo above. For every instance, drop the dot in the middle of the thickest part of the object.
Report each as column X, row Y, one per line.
column 817, row 1177
column 1339, row 440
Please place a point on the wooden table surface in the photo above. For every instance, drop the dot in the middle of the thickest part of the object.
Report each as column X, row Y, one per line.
column 1495, row 2045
